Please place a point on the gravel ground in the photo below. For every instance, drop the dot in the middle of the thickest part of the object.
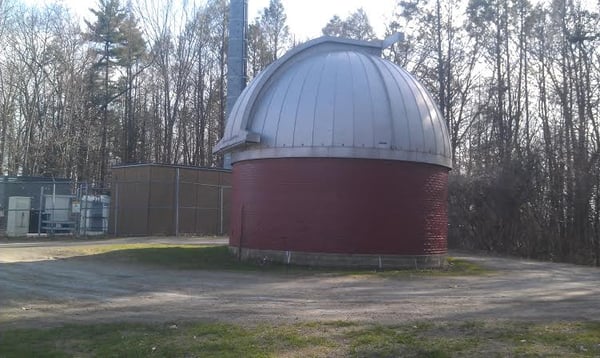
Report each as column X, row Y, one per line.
column 39, row 287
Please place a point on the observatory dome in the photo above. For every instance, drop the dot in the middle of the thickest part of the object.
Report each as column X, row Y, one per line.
column 340, row 158
column 336, row 98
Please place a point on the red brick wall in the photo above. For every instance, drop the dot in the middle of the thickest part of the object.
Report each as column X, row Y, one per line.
column 334, row 205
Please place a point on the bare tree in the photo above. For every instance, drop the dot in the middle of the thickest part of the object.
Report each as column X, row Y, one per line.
column 355, row 26
column 268, row 37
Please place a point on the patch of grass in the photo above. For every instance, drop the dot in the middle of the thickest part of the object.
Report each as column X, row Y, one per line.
column 134, row 340
column 471, row 325
column 209, row 257
column 219, row 258
column 573, row 338
column 173, row 256
column 381, row 341
column 188, row 257
column 315, row 339
column 465, row 267
column 421, row 339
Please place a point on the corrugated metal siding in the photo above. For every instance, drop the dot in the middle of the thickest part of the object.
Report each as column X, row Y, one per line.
column 130, row 194
column 340, row 206
column 161, row 201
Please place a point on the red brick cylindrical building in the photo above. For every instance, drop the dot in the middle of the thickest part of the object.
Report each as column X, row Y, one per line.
column 340, row 158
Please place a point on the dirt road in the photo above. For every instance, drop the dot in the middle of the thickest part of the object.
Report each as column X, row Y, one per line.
column 38, row 290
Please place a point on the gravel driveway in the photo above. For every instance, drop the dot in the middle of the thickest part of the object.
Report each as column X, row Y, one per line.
column 38, row 290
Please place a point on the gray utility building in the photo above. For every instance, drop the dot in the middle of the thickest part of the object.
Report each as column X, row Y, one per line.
column 27, row 202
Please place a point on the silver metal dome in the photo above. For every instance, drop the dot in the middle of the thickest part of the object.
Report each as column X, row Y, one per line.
column 334, row 97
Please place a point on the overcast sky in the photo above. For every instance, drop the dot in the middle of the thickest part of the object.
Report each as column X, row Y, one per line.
column 306, row 18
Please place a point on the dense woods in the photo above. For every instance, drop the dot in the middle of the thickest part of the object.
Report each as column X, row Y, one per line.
column 518, row 85
column 517, row 82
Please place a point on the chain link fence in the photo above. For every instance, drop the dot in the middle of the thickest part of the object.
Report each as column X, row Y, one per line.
column 42, row 206
column 141, row 201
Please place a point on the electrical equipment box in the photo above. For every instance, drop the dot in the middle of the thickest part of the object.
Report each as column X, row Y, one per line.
column 17, row 223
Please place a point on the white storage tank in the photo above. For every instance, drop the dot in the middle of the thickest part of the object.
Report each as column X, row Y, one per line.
column 93, row 219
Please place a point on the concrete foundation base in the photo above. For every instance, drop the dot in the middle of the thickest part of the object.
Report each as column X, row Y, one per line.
column 342, row 260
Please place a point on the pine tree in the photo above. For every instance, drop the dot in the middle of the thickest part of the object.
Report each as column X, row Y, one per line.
column 129, row 56
column 106, row 33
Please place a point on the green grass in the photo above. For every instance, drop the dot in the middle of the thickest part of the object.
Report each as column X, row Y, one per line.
column 136, row 340
column 466, row 267
column 172, row 256
column 188, row 257
column 313, row 339
column 571, row 338
column 193, row 257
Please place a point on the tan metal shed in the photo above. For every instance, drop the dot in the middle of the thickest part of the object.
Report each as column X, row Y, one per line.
column 157, row 199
